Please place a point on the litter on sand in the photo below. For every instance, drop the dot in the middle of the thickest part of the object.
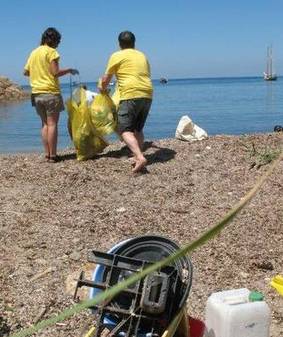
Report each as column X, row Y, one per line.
column 189, row 131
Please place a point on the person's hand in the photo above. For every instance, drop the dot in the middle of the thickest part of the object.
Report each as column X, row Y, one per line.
column 105, row 91
column 101, row 90
column 74, row 72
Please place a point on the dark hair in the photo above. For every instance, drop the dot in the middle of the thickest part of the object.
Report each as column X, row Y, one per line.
column 51, row 37
column 278, row 128
column 126, row 40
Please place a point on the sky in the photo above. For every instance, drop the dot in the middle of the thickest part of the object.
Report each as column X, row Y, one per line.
column 181, row 38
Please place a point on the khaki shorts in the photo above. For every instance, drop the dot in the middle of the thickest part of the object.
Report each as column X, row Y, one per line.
column 48, row 104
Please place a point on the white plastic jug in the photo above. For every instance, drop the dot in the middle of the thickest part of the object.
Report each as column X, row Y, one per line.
column 237, row 313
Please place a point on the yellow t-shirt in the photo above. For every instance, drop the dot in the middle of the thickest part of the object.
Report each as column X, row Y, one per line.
column 38, row 65
column 132, row 71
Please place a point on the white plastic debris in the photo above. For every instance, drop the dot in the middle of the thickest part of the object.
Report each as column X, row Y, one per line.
column 187, row 130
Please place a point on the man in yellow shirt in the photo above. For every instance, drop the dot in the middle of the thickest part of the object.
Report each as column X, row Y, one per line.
column 132, row 71
column 42, row 67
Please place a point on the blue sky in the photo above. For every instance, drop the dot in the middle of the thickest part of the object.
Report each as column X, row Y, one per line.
column 182, row 38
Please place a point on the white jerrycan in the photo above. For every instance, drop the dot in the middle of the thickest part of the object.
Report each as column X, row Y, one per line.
column 237, row 313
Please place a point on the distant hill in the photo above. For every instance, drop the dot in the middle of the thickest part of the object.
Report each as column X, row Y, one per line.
column 10, row 91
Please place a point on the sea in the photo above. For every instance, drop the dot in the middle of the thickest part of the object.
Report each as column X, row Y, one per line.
column 230, row 106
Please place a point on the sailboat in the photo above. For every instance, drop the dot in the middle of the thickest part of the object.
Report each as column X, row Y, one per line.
column 269, row 75
column 163, row 80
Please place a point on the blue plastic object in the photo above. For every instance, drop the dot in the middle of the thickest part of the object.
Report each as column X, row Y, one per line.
column 150, row 248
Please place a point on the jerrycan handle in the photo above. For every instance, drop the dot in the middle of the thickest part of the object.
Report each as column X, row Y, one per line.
column 233, row 300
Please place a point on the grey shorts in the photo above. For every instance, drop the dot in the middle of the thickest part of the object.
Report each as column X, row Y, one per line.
column 132, row 114
column 48, row 104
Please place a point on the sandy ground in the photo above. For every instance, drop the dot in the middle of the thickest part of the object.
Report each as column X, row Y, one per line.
column 52, row 215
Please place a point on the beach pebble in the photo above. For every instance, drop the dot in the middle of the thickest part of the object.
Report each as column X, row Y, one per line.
column 121, row 210
column 75, row 256
column 244, row 274
column 76, row 240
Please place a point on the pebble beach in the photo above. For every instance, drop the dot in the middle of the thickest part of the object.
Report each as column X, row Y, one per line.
column 52, row 215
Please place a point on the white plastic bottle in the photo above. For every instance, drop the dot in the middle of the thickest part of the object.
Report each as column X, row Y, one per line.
column 237, row 313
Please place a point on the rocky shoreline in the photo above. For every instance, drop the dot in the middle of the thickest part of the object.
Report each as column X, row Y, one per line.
column 52, row 215
column 10, row 91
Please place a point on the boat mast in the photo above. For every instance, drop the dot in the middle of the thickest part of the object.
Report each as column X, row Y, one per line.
column 270, row 52
column 267, row 61
column 268, row 75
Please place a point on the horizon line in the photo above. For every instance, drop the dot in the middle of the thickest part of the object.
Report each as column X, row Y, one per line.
column 181, row 78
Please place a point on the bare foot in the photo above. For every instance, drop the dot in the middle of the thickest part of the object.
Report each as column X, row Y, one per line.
column 132, row 160
column 140, row 164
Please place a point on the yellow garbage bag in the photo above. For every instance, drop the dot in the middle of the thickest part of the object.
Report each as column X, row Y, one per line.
column 103, row 114
column 87, row 141
column 116, row 96
column 277, row 283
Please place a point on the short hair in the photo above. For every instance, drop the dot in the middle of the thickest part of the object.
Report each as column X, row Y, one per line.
column 51, row 37
column 278, row 128
column 126, row 39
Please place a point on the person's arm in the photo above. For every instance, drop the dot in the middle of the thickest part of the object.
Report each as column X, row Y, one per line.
column 27, row 68
column 111, row 69
column 57, row 72
column 105, row 80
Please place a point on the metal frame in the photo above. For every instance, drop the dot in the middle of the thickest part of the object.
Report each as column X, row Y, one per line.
column 145, row 307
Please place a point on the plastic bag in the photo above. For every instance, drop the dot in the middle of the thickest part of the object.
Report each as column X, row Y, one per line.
column 187, row 130
column 116, row 96
column 103, row 114
column 87, row 141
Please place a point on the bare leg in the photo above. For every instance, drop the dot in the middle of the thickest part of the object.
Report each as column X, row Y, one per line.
column 52, row 133
column 140, row 138
column 133, row 144
column 44, row 131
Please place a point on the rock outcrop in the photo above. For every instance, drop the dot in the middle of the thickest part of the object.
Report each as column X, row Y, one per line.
column 10, row 91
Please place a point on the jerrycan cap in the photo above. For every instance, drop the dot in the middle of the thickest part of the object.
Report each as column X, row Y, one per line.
column 255, row 296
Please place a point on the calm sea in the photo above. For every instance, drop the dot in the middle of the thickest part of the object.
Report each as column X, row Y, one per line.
column 231, row 106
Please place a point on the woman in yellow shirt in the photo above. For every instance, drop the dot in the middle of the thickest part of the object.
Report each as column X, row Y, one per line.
column 43, row 69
